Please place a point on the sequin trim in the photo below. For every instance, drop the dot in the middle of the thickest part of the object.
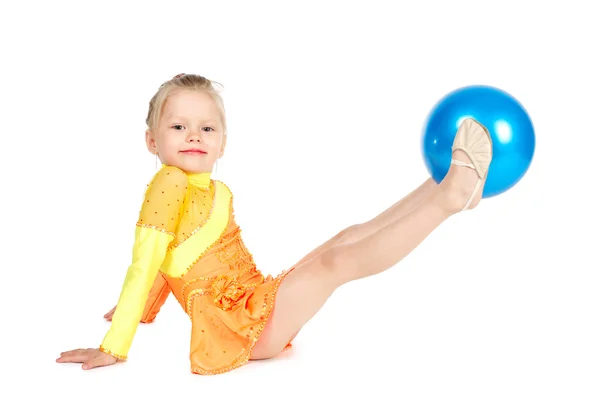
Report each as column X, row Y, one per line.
column 194, row 280
column 112, row 354
column 249, row 268
column 239, row 257
column 246, row 352
column 193, row 294
column 139, row 224
column 212, row 290
column 208, row 248
column 228, row 291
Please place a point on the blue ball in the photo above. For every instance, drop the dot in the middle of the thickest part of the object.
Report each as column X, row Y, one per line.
column 513, row 136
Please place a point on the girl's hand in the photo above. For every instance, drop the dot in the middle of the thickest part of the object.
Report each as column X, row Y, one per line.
column 90, row 357
column 108, row 316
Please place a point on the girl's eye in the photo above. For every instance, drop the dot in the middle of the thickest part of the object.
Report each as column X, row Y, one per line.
column 180, row 127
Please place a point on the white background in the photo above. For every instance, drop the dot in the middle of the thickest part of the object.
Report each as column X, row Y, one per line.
column 325, row 103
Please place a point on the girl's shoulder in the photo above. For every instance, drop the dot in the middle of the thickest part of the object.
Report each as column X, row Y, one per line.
column 221, row 185
column 173, row 171
column 169, row 177
column 170, row 173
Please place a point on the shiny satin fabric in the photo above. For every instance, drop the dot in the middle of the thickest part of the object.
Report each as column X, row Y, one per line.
column 207, row 268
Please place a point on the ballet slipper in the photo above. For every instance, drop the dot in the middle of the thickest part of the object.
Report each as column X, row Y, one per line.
column 475, row 141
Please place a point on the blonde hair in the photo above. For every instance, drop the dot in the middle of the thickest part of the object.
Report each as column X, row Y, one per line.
column 187, row 82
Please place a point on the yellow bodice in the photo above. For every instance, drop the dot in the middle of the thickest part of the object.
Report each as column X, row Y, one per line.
column 188, row 243
column 176, row 206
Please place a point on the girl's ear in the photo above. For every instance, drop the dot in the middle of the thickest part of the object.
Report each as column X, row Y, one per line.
column 151, row 142
column 223, row 146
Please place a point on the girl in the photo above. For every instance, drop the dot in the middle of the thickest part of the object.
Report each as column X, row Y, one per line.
column 188, row 243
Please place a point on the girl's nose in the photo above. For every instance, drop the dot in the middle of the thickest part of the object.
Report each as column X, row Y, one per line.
column 194, row 137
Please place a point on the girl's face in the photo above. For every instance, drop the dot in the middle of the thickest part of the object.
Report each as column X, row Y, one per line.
column 189, row 134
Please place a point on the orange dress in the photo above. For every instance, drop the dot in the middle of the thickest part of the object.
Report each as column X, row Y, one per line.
column 188, row 243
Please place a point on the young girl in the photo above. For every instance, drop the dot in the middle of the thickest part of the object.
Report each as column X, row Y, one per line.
column 188, row 243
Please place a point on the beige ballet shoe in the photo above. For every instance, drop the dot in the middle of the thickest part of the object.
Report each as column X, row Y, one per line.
column 474, row 139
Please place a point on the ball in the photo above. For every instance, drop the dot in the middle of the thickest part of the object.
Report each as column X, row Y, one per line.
column 509, row 124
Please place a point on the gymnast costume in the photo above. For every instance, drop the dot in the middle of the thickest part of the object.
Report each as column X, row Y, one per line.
column 188, row 243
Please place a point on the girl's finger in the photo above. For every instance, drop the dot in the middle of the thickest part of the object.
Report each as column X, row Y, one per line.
column 73, row 352
column 109, row 313
column 81, row 356
column 97, row 361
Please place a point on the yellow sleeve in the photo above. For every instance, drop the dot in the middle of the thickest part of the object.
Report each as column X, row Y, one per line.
column 155, row 229
column 159, row 292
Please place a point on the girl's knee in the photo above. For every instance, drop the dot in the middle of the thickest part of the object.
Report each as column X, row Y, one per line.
column 350, row 234
column 337, row 263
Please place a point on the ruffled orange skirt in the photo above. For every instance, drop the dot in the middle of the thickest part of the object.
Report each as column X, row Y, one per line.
column 227, row 323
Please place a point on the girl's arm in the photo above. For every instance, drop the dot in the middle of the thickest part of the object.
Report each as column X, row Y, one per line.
column 159, row 292
column 154, row 231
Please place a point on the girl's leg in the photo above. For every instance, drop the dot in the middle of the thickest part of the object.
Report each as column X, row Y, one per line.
column 305, row 290
column 394, row 212
column 360, row 231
